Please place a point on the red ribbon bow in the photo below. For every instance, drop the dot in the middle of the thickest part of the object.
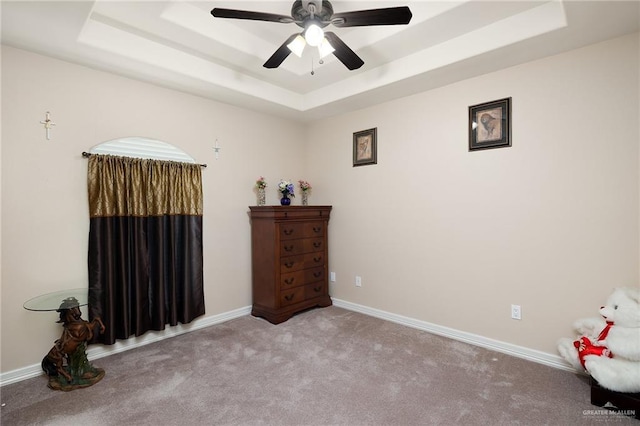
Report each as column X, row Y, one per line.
column 586, row 347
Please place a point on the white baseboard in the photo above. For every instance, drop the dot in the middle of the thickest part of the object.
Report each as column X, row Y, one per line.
column 533, row 355
column 97, row 352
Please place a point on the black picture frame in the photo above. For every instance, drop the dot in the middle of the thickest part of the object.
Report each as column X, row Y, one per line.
column 365, row 147
column 490, row 125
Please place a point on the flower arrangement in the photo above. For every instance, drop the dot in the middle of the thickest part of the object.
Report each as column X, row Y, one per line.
column 304, row 185
column 286, row 188
column 261, row 183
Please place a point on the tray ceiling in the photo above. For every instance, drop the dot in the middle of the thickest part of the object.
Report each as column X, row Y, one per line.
column 178, row 44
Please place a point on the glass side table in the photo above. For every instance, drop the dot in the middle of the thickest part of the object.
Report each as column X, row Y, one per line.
column 71, row 347
column 53, row 301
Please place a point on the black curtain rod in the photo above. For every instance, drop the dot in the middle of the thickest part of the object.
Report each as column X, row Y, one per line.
column 88, row 154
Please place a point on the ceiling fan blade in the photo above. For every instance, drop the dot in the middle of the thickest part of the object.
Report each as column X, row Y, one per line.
column 387, row 16
column 344, row 54
column 280, row 55
column 253, row 16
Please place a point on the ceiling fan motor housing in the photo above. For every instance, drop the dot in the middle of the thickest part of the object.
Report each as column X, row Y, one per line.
column 321, row 18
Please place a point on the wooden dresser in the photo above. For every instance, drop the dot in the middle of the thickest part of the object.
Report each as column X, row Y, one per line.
column 290, row 260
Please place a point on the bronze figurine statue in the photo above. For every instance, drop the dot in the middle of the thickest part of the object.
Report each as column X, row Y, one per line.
column 71, row 346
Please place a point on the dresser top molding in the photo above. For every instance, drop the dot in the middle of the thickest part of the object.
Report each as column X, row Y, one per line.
column 290, row 212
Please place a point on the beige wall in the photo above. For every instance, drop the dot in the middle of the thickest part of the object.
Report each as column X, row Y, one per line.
column 452, row 237
column 437, row 233
column 44, row 204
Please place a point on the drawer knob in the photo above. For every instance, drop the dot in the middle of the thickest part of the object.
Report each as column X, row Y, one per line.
column 289, row 264
column 317, row 289
column 289, row 281
column 317, row 274
column 288, row 231
column 317, row 259
column 317, row 244
column 317, row 229
column 288, row 248
column 289, row 297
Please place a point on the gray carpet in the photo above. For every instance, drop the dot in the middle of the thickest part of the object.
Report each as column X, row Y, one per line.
column 322, row 367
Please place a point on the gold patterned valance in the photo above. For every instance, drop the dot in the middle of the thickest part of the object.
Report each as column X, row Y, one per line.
column 122, row 186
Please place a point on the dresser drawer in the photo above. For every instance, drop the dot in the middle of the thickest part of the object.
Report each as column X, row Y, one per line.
column 313, row 275
column 292, row 231
column 307, row 245
column 303, row 261
column 292, row 279
column 292, row 296
column 302, row 277
column 314, row 290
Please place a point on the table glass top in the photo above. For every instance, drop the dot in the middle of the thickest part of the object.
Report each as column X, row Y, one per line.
column 64, row 299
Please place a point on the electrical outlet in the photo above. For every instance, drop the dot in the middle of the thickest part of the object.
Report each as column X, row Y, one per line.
column 358, row 281
column 516, row 312
column 332, row 277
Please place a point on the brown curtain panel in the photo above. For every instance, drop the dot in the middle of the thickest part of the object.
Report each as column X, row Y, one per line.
column 145, row 244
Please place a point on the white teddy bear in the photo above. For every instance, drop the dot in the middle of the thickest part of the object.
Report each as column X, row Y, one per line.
column 608, row 348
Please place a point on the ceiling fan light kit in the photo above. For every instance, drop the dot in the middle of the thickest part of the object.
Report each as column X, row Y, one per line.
column 297, row 45
column 313, row 16
column 313, row 35
column 325, row 48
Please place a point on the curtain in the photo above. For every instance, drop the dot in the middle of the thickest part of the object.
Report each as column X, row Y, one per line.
column 145, row 244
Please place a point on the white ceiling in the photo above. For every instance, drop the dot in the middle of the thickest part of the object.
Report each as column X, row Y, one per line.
column 178, row 44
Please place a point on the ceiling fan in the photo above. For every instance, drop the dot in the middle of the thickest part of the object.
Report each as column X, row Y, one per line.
column 313, row 16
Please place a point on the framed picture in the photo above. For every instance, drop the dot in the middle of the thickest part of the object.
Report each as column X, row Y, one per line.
column 490, row 125
column 365, row 147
